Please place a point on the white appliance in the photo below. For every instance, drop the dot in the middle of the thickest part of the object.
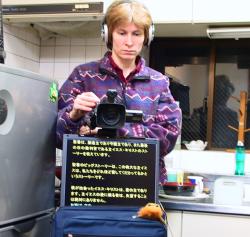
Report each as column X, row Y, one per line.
column 228, row 191
column 27, row 153
column 52, row 11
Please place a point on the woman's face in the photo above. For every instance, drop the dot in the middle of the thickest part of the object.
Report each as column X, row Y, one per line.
column 127, row 42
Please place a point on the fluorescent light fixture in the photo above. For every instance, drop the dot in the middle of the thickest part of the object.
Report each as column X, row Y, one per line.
column 228, row 32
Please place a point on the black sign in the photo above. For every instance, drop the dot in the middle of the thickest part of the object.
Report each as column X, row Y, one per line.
column 88, row 7
column 99, row 171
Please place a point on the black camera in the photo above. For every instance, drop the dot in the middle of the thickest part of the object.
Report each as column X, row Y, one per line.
column 111, row 114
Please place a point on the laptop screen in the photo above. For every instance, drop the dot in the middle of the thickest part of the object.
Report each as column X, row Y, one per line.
column 97, row 171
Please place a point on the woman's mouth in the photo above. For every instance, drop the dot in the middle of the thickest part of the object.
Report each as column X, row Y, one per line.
column 129, row 51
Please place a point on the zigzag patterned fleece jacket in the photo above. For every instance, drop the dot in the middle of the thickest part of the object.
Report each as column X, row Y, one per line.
column 146, row 90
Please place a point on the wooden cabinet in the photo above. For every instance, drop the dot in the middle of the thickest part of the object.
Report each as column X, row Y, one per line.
column 169, row 11
column 214, row 225
column 106, row 4
column 179, row 11
column 197, row 224
column 174, row 223
column 220, row 11
column 197, row 11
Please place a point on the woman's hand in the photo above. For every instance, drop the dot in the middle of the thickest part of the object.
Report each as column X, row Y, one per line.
column 83, row 103
column 85, row 130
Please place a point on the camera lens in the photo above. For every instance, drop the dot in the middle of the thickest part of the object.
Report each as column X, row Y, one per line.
column 111, row 116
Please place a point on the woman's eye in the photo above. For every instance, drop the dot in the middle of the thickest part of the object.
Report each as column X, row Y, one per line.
column 137, row 33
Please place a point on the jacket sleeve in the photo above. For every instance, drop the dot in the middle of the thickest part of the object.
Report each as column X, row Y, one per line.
column 165, row 124
column 67, row 93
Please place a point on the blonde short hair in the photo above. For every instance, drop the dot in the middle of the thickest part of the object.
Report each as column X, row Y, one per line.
column 122, row 11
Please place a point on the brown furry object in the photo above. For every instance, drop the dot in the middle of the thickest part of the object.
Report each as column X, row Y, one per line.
column 151, row 211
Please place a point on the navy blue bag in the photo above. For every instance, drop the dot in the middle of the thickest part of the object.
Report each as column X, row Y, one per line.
column 104, row 221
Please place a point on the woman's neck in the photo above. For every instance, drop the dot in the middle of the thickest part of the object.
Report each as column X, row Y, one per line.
column 127, row 66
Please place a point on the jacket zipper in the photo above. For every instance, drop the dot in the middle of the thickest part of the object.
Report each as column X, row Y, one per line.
column 123, row 86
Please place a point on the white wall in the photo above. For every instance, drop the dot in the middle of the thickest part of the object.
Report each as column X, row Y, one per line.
column 60, row 55
column 22, row 47
column 208, row 162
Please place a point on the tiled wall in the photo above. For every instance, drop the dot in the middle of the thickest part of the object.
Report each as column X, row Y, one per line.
column 60, row 55
column 22, row 47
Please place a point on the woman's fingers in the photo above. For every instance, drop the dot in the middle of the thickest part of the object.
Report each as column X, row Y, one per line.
column 86, row 100
column 83, row 103
column 85, row 130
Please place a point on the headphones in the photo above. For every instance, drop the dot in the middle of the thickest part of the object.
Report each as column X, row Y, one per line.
column 104, row 30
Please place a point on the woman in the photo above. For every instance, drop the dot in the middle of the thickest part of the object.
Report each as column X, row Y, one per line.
column 127, row 28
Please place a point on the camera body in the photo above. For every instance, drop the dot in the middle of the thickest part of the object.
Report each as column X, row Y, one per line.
column 111, row 115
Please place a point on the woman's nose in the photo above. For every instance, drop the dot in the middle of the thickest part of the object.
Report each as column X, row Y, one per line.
column 129, row 40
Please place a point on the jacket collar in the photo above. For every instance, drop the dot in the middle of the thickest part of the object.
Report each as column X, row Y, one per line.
column 106, row 67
